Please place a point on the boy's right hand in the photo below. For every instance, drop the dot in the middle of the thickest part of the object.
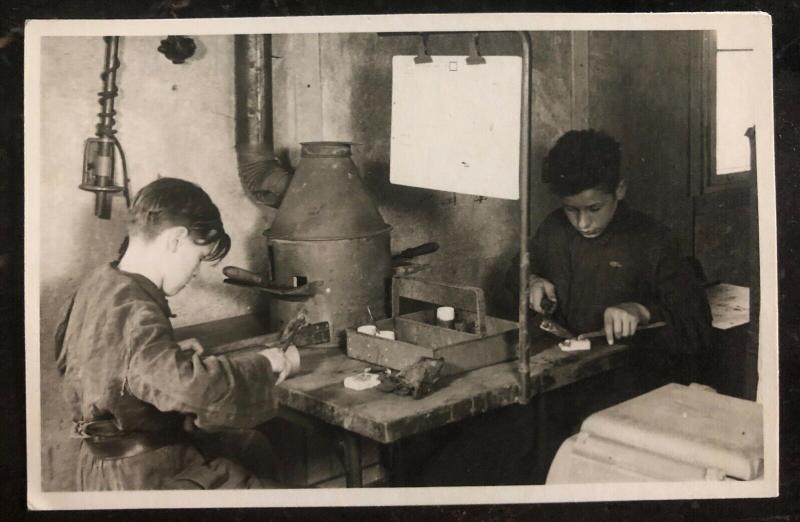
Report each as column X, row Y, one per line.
column 283, row 363
column 539, row 288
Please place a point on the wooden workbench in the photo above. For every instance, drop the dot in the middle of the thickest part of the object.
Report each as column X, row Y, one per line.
column 317, row 396
column 384, row 417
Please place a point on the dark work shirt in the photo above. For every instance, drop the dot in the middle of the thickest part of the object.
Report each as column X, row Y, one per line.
column 634, row 260
column 116, row 349
column 120, row 362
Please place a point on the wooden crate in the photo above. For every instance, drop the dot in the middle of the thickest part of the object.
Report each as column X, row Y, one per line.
column 492, row 340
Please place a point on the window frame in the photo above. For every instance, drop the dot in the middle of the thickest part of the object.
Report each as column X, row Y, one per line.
column 712, row 181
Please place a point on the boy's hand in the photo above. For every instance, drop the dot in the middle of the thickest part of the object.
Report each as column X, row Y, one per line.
column 283, row 363
column 540, row 288
column 191, row 344
column 623, row 319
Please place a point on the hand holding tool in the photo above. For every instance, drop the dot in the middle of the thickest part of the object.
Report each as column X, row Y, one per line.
column 550, row 326
column 304, row 336
column 602, row 333
column 583, row 341
column 289, row 331
column 541, row 295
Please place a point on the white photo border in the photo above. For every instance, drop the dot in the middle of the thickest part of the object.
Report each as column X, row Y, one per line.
column 756, row 24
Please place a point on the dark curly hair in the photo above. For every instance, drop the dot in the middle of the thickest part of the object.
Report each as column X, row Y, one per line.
column 581, row 160
column 170, row 202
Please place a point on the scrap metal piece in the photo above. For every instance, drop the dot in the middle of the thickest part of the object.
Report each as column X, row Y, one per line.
column 417, row 380
column 312, row 334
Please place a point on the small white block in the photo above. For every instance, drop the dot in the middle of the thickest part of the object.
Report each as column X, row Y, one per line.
column 386, row 334
column 368, row 329
column 575, row 345
column 362, row 381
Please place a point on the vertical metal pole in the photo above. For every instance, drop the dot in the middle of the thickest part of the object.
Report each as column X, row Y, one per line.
column 104, row 170
column 109, row 78
column 524, row 181
column 260, row 173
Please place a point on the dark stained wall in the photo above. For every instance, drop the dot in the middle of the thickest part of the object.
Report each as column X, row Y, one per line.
column 639, row 93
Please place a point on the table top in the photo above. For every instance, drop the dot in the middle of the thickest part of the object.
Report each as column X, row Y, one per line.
column 318, row 390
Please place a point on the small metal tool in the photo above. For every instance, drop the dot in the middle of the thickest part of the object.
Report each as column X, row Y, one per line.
column 305, row 335
column 241, row 277
column 421, row 250
column 550, row 326
column 602, row 333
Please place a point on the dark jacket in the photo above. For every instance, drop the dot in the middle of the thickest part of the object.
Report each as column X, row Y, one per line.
column 116, row 349
column 634, row 260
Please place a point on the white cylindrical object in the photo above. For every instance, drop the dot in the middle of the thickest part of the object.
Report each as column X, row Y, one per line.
column 446, row 313
column 368, row 329
column 386, row 334
column 445, row 316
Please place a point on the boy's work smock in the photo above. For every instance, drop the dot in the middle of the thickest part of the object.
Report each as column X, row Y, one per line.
column 124, row 372
column 632, row 261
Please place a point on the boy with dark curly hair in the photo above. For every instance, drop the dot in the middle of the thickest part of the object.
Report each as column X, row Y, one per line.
column 607, row 266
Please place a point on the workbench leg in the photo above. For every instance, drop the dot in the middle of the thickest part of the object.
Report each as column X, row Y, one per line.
column 542, row 444
column 351, row 449
column 388, row 456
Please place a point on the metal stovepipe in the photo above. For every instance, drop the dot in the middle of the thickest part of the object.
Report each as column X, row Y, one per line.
column 260, row 173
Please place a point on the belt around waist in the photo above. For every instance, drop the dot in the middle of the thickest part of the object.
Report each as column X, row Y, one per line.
column 131, row 444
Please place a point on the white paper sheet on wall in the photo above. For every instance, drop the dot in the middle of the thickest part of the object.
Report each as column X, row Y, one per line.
column 456, row 127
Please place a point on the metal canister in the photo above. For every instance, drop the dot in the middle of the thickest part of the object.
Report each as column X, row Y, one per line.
column 329, row 229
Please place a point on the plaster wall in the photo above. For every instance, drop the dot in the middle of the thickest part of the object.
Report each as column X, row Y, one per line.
column 173, row 120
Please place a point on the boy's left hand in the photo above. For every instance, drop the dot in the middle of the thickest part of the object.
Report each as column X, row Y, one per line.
column 622, row 320
column 191, row 344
